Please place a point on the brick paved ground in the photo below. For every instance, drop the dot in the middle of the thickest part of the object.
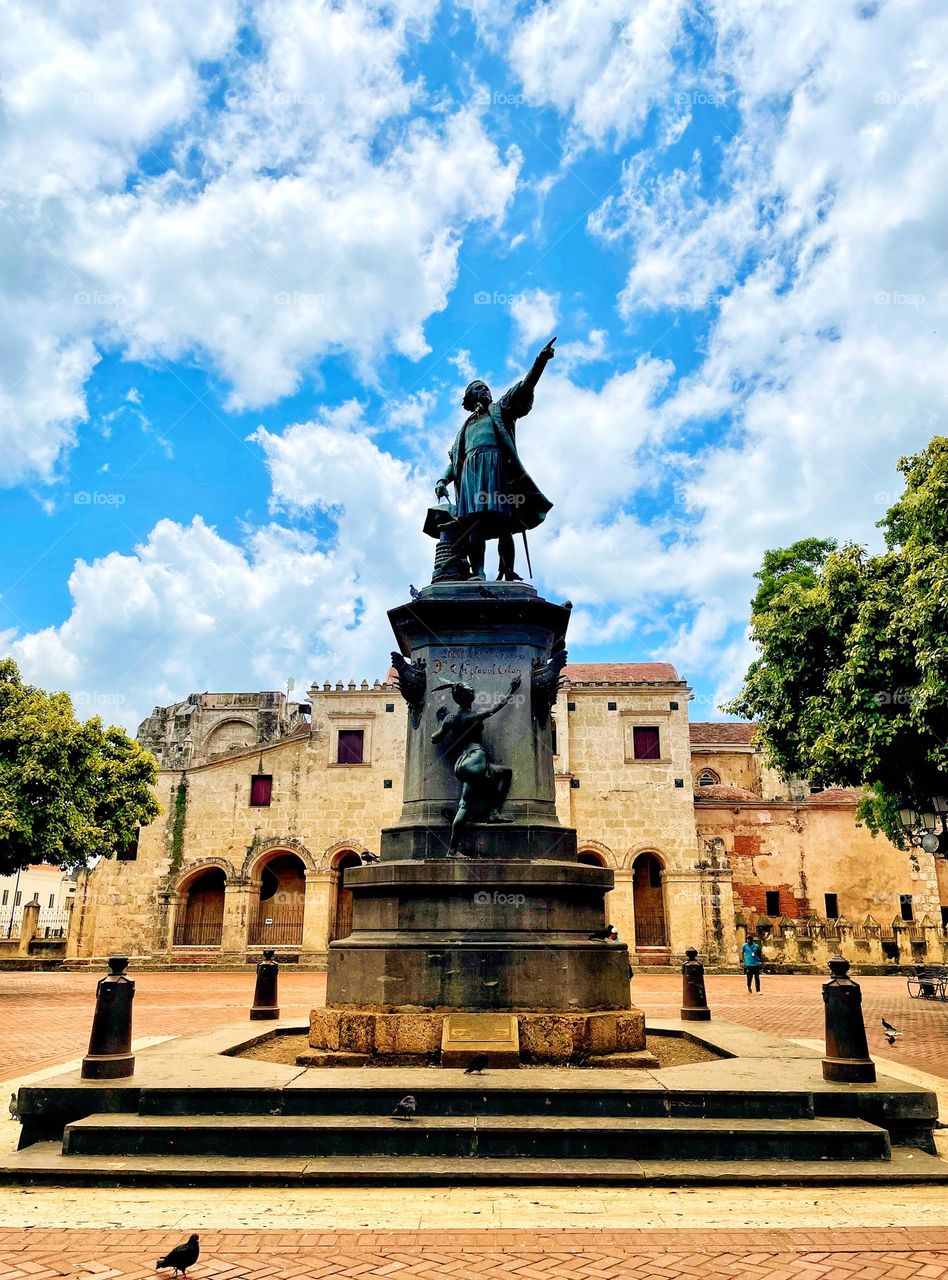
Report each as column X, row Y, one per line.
column 908, row 1254
column 46, row 1016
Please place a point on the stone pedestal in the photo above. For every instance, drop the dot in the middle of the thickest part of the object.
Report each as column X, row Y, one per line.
column 508, row 926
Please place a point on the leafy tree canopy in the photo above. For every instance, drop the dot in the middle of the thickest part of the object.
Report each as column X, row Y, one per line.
column 851, row 685
column 70, row 790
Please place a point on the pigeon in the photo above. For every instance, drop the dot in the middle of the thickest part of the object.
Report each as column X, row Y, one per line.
column 14, row 1109
column 182, row 1257
column 413, row 591
column 608, row 934
column 405, row 1109
column 890, row 1031
column 370, row 857
column 482, row 591
column 476, row 1065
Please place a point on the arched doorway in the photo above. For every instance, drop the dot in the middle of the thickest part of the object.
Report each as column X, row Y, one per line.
column 342, row 910
column 591, row 858
column 279, row 917
column 200, row 920
column 648, row 903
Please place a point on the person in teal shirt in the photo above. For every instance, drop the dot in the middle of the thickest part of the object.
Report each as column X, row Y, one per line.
column 752, row 958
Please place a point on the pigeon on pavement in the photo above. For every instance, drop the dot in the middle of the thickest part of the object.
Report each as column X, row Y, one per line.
column 181, row 1257
column 14, row 1109
column 608, row 934
column 476, row 1065
column 405, row 1109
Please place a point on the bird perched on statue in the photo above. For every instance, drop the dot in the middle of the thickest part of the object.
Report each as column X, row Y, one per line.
column 14, row 1109
column 370, row 857
column 609, row 934
column 476, row 1065
column 413, row 591
column 183, row 1256
column 405, row 1109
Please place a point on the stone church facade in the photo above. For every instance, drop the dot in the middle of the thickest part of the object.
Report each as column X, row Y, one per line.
column 266, row 803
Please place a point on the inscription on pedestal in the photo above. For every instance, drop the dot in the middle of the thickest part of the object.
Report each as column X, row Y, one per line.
column 465, row 1035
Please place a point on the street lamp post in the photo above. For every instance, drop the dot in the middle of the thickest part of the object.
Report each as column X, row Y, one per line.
column 927, row 827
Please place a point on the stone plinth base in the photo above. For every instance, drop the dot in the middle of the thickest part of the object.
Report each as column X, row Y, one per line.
column 544, row 1037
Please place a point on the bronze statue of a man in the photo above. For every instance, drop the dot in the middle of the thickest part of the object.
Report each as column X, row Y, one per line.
column 495, row 496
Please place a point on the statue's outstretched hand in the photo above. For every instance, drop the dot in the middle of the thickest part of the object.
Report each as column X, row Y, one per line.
column 515, row 684
column 547, row 353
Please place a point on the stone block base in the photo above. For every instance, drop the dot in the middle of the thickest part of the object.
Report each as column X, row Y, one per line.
column 544, row 1037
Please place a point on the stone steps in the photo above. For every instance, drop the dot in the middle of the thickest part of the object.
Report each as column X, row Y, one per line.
column 44, row 1164
column 509, row 1137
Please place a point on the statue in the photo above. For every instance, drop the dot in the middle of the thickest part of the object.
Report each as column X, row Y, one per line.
column 495, row 498
column 484, row 785
column 412, row 682
column 545, row 678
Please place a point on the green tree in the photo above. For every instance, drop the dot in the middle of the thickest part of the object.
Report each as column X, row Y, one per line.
column 851, row 684
column 70, row 791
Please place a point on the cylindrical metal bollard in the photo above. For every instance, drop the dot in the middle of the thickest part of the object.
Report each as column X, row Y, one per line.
column 110, row 1054
column 265, row 992
column 694, row 999
column 847, row 1050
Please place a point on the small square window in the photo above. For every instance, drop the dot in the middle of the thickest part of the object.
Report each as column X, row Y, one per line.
column 574, row 783
column 261, row 790
column 390, row 706
column 646, row 744
column 571, row 706
column 679, row 782
column 386, row 784
column 673, row 706
column 905, row 906
column 832, row 906
column 350, row 746
column 773, row 902
column 612, row 705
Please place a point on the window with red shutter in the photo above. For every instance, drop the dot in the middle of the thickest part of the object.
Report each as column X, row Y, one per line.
column 261, row 788
column 349, row 750
column 645, row 743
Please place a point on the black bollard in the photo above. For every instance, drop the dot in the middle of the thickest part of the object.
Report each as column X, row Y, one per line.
column 110, row 1054
column 694, row 999
column 847, row 1050
column 265, row 993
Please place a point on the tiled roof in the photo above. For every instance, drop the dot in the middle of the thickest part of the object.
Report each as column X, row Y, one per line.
column 620, row 672
column 726, row 732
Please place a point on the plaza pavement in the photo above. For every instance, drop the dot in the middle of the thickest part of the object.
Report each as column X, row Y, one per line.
column 605, row 1233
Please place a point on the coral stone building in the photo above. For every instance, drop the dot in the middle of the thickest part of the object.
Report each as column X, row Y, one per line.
column 266, row 803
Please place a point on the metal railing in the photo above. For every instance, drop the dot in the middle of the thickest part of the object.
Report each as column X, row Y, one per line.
column 198, row 933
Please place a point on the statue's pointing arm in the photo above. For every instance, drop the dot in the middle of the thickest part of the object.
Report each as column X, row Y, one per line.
column 542, row 360
column 518, row 401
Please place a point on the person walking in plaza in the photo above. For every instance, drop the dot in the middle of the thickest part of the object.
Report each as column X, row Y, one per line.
column 752, row 958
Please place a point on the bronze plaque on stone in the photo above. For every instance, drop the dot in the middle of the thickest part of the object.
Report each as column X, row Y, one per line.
column 466, row 1035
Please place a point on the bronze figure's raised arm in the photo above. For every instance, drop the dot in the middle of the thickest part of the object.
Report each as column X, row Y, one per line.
column 494, row 495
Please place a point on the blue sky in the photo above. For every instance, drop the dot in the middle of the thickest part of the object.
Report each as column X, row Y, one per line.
column 254, row 252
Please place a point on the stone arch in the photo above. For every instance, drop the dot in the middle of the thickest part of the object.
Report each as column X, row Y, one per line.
column 597, row 854
column 341, row 921
column 195, row 869
column 233, row 733
column 200, row 916
column 648, row 901
column 264, row 850
column 329, row 858
column 627, row 859
column 707, row 777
